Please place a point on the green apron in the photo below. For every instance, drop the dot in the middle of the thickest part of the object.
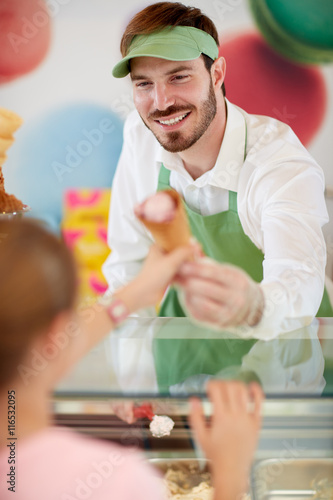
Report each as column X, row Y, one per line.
column 223, row 239
column 179, row 359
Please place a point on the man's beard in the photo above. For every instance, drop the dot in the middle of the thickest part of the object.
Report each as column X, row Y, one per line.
column 175, row 141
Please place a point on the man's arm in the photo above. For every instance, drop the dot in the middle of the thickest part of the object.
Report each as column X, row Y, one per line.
column 282, row 210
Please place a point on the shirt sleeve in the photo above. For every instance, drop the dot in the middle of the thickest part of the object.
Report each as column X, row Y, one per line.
column 282, row 209
column 128, row 240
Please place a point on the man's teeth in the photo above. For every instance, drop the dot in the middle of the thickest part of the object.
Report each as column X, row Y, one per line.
column 172, row 121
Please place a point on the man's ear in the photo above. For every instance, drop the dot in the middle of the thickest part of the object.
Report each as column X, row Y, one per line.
column 218, row 71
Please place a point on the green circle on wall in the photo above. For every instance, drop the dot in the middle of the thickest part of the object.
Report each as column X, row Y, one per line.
column 301, row 30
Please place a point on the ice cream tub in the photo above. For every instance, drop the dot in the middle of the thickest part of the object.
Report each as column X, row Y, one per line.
column 293, row 479
column 184, row 478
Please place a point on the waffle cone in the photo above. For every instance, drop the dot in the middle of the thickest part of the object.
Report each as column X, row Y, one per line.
column 5, row 144
column 9, row 203
column 3, row 158
column 172, row 234
column 2, row 180
column 9, row 122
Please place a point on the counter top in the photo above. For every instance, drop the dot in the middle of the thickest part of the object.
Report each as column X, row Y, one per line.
column 173, row 358
column 166, row 360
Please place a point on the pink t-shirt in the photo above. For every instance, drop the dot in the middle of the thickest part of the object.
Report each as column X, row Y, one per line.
column 58, row 464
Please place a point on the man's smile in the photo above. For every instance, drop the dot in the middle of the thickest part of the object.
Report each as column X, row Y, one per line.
column 175, row 120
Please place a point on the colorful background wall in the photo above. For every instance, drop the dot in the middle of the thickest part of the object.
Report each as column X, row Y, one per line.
column 55, row 71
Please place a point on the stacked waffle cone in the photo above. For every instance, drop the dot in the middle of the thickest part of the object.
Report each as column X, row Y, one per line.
column 9, row 123
column 169, row 234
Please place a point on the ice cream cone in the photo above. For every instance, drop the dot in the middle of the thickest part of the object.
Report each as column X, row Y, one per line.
column 5, row 143
column 9, row 122
column 3, row 158
column 172, row 234
column 2, row 180
column 9, row 203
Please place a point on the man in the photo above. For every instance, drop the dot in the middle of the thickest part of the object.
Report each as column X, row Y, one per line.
column 253, row 194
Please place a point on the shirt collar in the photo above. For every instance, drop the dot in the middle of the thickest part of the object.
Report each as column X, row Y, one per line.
column 226, row 171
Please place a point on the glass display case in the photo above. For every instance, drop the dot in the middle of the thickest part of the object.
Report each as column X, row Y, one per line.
column 164, row 361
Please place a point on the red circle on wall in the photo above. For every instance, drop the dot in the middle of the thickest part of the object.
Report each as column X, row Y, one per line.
column 25, row 34
column 262, row 82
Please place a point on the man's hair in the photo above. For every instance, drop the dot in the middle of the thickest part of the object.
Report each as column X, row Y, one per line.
column 160, row 15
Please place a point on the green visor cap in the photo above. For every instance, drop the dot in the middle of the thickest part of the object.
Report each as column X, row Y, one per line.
column 179, row 43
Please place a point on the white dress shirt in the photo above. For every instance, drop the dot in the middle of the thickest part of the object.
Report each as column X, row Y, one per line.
column 281, row 207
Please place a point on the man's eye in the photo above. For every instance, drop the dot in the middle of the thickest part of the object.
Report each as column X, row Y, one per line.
column 180, row 77
column 142, row 85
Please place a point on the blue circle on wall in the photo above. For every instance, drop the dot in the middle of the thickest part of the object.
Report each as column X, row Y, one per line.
column 75, row 146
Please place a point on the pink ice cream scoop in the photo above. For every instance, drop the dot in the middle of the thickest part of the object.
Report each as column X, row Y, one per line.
column 160, row 207
column 164, row 215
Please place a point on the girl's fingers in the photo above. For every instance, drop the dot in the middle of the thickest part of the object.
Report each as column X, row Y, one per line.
column 257, row 396
column 197, row 421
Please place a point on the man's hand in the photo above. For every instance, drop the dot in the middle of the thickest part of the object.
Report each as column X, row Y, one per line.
column 222, row 295
column 231, row 438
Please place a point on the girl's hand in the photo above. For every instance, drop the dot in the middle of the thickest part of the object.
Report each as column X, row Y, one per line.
column 231, row 438
column 158, row 271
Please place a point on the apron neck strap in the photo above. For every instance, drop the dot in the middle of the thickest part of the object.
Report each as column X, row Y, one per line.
column 164, row 183
column 233, row 201
column 163, row 179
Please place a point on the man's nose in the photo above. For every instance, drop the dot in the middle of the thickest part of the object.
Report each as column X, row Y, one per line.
column 163, row 97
